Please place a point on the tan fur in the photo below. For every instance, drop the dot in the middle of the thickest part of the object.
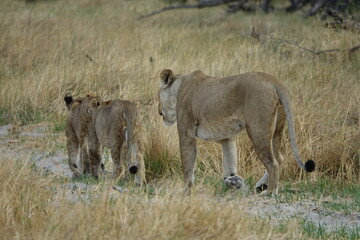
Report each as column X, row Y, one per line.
column 217, row 109
column 76, row 132
column 115, row 126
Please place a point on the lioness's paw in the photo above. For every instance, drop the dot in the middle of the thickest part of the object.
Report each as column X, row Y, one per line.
column 235, row 182
column 261, row 188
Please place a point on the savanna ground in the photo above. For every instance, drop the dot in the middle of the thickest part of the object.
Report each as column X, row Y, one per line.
column 50, row 48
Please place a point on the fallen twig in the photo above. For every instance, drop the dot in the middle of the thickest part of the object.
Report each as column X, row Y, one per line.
column 119, row 189
column 89, row 58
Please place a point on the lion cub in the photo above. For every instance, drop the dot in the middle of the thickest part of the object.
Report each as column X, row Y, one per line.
column 115, row 126
column 76, row 132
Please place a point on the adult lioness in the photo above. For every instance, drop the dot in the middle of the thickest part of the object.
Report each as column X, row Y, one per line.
column 76, row 132
column 217, row 109
column 115, row 126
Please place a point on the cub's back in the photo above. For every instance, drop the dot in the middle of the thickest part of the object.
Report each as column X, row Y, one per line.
column 111, row 119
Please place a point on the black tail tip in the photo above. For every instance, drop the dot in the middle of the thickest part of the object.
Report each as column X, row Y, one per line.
column 310, row 166
column 133, row 169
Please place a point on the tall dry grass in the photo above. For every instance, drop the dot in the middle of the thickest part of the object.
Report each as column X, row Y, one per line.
column 33, row 207
column 53, row 47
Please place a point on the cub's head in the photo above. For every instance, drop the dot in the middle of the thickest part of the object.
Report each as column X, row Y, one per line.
column 167, row 97
column 70, row 101
column 86, row 105
column 89, row 104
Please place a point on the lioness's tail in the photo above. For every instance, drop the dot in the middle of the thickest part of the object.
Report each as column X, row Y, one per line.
column 309, row 166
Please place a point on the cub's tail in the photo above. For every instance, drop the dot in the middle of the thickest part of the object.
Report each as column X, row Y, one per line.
column 309, row 166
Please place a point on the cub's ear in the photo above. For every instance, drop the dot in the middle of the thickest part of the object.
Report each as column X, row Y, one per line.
column 94, row 104
column 167, row 76
column 68, row 100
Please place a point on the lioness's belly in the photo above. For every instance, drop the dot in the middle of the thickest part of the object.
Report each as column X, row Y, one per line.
column 217, row 131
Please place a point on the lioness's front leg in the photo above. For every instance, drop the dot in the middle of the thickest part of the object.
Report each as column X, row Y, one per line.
column 188, row 153
column 230, row 161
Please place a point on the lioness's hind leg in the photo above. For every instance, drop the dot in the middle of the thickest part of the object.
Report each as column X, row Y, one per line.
column 272, row 166
column 261, row 133
column 263, row 183
column 278, row 133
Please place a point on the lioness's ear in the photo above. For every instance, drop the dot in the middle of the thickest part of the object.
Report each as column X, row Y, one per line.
column 167, row 76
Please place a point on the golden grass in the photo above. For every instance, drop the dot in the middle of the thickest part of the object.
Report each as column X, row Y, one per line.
column 33, row 207
column 46, row 47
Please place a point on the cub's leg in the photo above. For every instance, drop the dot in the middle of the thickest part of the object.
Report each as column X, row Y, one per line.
column 72, row 146
column 95, row 151
column 230, row 162
column 260, row 126
column 140, row 175
column 95, row 158
column 84, row 159
column 262, row 184
column 188, row 151
column 118, row 170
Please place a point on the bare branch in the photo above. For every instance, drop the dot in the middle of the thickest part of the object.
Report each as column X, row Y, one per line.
column 201, row 4
column 240, row 5
column 257, row 36
column 342, row 23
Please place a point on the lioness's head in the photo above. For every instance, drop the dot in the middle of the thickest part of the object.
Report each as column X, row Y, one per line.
column 167, row 97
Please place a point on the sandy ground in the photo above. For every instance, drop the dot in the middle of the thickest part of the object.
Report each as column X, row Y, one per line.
column 30, row 141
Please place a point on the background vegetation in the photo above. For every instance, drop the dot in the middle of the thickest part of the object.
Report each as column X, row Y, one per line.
column 50, row 48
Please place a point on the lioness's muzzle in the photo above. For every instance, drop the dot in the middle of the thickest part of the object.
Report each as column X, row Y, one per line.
column 133, row 169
